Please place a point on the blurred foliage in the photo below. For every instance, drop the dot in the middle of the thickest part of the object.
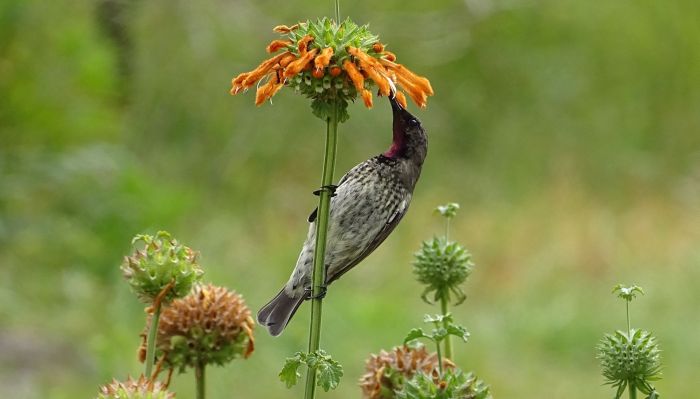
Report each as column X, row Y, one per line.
column 568, row 130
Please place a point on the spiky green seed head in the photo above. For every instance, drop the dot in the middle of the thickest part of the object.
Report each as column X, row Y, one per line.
column 453, row 384
column 161, row 261
column 628, row 359
column 442, row 266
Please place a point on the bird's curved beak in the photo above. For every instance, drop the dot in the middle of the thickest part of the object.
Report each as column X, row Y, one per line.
column 395, row 106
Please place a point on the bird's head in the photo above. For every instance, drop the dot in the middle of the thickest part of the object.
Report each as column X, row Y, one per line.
column 410, row 140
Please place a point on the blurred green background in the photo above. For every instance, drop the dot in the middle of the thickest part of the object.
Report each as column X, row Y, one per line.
column 568, row 130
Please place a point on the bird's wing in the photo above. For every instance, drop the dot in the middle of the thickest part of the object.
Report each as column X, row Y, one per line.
column 391, row 223
column 314, row 214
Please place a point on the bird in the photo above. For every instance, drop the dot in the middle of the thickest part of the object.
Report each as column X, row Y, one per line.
column 367, row 204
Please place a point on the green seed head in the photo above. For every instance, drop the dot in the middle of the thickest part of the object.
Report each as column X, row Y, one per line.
column 162, row 261
column 630, row 359
column 442, row 266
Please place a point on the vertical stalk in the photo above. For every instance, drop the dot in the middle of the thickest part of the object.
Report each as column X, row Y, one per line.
column 627, row 303
column 633, row 391
column 448, row 339
column 319, row 266
column 439, row 355
column 151, row 342
column 337, row 11
column 199, row 379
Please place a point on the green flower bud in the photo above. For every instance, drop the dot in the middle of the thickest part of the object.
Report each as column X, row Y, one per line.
column 442, row 266
column 161, row 262
column 454, row 383
column 134, row 389
column 630, row 359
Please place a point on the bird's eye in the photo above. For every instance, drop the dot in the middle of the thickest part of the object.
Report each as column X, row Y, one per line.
column 413, row 122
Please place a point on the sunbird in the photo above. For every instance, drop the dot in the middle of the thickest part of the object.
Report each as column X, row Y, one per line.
column 367, row 204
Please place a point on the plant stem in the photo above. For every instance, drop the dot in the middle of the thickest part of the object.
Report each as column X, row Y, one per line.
column 448, row 339
column 337, row 11
column 319, row 271
column 199, row 379
column 439, row 355
column 628, row 317
column 447, row 230
column 151, row 342
column 632, row 390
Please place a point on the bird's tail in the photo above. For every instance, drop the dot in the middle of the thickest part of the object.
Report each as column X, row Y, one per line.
column 277, row 313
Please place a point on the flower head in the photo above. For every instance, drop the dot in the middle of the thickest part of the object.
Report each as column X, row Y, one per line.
column 442, row 266
column 332, row 62
column 387, row 372
column 211, row 325
column 162, row 263
column 630, row 359
column 134, row 389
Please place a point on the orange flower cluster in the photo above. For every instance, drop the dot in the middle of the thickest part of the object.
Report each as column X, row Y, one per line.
column 352, row 64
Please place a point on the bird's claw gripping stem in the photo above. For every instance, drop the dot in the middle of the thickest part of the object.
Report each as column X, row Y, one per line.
column 329, row 188
column 321, row 294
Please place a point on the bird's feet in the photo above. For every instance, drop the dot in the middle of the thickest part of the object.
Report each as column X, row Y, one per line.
column 329, row 188
column 321, row 293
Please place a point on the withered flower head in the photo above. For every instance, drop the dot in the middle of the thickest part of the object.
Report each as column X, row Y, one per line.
column 211, row 325
column 134, row 389
column 163, row 262
column 327, row 62
column 388, row 371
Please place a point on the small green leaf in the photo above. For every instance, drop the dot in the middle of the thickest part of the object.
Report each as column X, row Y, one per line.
column 290, row 372
column 448, row 210
column 415, row 334
column 628, row 293
column 328, row 371
column 458, row 331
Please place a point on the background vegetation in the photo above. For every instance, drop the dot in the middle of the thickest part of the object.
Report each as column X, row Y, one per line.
column 568, row 130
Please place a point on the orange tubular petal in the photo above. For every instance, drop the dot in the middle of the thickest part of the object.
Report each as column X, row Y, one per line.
column 284, row 28
column 401, row 98
column 299, row 64
column 237, row 83
column 324, row 58
column 378, row 47
column 416, row 94
column 303, row 44
column 262, row 70
column 287, row 59
column 367, row 98
column 417, row 80
column 354, row 75
column 389, row 56
column 335, row 70
column 380, row 80
column 267, row 90
column 276, row 45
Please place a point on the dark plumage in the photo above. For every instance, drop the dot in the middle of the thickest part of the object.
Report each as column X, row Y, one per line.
column 370, row 201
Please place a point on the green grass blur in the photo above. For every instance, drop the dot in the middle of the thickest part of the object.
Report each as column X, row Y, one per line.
column 568, row 130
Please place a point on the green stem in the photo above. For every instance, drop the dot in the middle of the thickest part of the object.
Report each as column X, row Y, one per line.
column 628, row 318
column 319, row 272
column 439, row 355
column 151, row 342
column 199, row 378
column 337, row 11
column 448, row 339
column 632, row 390
column 447, row 230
